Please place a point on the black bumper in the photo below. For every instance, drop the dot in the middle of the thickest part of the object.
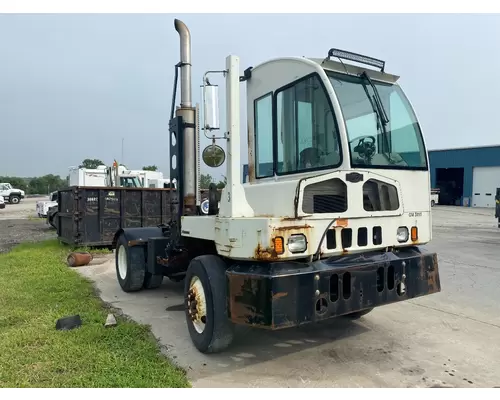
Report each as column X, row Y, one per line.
column 2, row 205
column 285, row 294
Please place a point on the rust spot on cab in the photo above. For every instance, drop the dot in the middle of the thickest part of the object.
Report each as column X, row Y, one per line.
column 265, row 254
column 293, row 228
column 279, row 295
column 284, row 219
column 342, row 222
column 269, row 253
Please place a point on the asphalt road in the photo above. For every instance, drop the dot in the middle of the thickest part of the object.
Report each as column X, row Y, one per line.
column 448, row 339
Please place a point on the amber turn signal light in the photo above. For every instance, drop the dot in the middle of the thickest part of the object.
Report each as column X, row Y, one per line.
column 414, row 233
column 279, row 247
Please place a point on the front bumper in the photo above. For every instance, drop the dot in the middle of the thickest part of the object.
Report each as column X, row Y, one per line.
column 2, row 206
column 285, row 294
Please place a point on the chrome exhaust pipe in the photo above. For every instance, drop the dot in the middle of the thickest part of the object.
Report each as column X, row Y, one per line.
column 185, row 37
column 187, row 111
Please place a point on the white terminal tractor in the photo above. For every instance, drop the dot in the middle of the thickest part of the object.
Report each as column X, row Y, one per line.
column 331, row 220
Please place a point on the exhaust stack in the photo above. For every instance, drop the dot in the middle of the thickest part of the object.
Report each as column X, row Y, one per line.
column 187, row 112
column 185, row 37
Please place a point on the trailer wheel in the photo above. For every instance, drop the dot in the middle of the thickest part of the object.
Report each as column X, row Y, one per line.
column 130, row 265
column 152, row 281
column 205, row 303
column 358, row 314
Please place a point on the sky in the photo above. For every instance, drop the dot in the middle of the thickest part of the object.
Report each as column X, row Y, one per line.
column 72, row 86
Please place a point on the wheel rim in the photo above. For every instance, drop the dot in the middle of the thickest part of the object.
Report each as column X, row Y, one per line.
column 15, row 200
column 197, row 305
column 122, row 262
column 204, row 207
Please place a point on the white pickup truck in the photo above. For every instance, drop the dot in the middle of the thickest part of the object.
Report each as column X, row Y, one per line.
column 434, row 197
column 10, row 194
column 42, row 206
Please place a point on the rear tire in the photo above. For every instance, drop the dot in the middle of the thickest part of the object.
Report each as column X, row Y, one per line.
column 130, row 265
column 358, row 314
column 205, row 296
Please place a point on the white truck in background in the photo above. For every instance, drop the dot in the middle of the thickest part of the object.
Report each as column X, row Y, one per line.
column 116, row 176
column 11, row 195
column 434, row 197
column 43, row 206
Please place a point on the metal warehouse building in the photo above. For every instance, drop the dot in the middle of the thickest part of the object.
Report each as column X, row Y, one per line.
column 465, row 176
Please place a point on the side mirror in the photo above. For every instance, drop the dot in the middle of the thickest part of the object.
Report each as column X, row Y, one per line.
column 210, row 107
column 213, row 155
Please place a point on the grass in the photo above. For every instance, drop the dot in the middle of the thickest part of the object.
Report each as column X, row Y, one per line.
column 36, row 289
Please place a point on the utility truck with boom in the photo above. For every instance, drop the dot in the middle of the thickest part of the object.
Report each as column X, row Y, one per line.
column 114, row 176
column 331, row 221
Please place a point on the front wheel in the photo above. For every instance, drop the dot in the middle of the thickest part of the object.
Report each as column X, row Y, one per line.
column 433, row 203
column 14, row 199
column 205, row 302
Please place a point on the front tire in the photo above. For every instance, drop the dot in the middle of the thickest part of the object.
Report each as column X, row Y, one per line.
column 130, row 265
column 14, row 199
column 205, row 296
column 433, row 203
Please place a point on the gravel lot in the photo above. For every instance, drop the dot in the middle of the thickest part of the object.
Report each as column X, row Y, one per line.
column 19, row 223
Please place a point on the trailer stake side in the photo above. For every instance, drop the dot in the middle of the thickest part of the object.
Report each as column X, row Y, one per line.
column 332, row 218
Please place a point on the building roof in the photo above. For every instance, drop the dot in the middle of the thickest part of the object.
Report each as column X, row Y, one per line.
column 466, row 148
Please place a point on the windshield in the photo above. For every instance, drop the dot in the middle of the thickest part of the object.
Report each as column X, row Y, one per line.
column 130, row 181
column 381, row 127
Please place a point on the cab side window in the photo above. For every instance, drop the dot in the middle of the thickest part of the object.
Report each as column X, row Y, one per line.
column 307, row 134
column 263, row 125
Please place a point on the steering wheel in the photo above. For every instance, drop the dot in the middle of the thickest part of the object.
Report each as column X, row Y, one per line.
column 364, row 147
column 311, row 156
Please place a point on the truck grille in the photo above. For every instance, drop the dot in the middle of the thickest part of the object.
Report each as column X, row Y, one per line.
column 325, row 197
column 363, row 238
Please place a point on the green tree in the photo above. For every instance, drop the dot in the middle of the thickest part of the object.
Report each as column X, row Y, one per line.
column 46, row 184
column 150, row 168
column 91, row 163
column 205, row 181
column 222, row 184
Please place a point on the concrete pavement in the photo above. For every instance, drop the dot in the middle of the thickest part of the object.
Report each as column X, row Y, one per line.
column 447, row 339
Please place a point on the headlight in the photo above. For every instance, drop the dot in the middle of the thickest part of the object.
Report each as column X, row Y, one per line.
column 297, row 243
column 402, row 234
